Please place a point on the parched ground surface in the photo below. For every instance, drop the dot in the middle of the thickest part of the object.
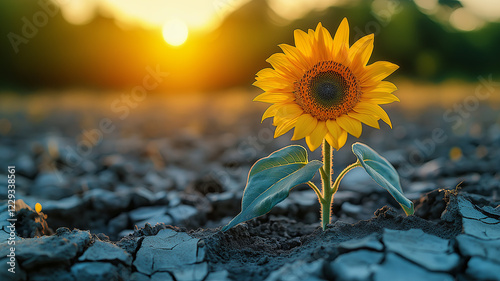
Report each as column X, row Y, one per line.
column 142, row 194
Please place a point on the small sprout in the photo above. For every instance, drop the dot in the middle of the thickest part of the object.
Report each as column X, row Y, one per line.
column 38, row 207
column 455, row 153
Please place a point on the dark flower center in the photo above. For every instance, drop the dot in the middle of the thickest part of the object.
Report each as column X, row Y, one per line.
column 327, row 90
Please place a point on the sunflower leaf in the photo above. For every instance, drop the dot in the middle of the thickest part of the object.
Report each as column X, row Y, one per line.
column 271, row 179
column 383, row 173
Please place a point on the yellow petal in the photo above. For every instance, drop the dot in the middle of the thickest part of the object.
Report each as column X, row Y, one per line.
column 304, row 126
column 289, row 111
column 327, row 38
column 383, row 86
column 272, row 97
column 342, row 139
column 268, row 73
column 283, row 65
column 360, row 52
column 312, row 36
column 323, row 50
column 375, row 72
column 341, row 39
column 274, row 83
column 333, row 128
column 314, row 45
column 280, row 120
column 285, row 127
column 271, row 111
column 373, row 109
column 295, row 56
column 352, row 126
column 316, row 137
column 379, row 98
column 332, row 141
column 302, row 42
column 369, row 120
column 273, row 86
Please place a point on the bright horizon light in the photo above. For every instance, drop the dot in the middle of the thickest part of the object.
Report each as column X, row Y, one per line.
column 175, row 32
column 200, row 15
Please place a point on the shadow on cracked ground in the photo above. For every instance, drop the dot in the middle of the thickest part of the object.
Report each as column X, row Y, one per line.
column 149, row 194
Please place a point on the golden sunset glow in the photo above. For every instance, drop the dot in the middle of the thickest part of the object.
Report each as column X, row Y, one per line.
column 195, row 14
column 175, row 32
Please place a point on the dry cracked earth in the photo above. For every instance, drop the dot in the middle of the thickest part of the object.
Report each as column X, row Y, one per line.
column 148, row 201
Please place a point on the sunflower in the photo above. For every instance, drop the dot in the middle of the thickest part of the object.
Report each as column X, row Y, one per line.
column 324, row 89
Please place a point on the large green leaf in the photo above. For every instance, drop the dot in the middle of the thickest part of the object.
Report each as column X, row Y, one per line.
column 271, row 179
column 383, row 173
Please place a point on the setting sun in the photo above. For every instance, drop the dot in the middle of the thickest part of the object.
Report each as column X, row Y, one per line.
column 175, row 32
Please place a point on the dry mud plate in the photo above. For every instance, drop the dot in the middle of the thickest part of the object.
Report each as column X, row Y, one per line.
column 149, row 204
column 460, row 241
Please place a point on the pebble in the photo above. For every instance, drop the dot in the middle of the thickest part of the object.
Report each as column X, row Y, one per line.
column 208, row 184
column 359, row 181
column 72, row 205
column 173, row 198
column 430, row 169
column 180, row 177
column 25, row 165
column 421, row 187
column 118, row 223
column 90, row 182
column 50, row 185
column 306, row 200
column 345, row 195
column 351, row 209
column 107, row 178
column 158, row 183
column 104, row 251
column 221, row 202
column 138, row 197
column 182, row 213
column 106, row 201
column 144, row 213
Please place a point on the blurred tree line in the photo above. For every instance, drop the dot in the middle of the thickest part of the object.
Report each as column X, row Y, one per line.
column 39, row 49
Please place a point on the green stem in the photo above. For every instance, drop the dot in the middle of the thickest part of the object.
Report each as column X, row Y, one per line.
column 326, row 174
column 326, row 178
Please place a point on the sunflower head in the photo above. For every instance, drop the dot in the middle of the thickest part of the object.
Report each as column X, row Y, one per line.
column 324, row 88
